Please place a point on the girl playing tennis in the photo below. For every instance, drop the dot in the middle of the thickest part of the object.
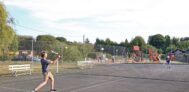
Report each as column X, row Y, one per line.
column 46, row 74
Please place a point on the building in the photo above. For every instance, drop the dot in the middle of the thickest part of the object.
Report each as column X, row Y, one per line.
column 181, row 55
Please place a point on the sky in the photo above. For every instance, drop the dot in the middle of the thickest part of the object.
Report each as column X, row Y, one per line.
column 114, row 19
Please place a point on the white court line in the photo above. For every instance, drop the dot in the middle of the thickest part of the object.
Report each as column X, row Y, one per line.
column 96, row 85
column 16, row 89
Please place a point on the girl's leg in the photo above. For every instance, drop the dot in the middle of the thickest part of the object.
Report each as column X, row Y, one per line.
column 52, row 80
column 46, row 77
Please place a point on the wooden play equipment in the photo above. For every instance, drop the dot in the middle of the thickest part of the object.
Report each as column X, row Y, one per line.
column 137, row 54
column 153, row 55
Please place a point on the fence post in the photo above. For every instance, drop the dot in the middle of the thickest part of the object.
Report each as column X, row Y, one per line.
column 32, row 54
column 57, row 66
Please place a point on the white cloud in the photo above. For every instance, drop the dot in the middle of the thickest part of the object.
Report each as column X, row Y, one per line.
column 116, row 19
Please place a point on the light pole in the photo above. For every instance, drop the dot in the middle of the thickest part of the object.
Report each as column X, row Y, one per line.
column 116, row 53
column 102, row 49
column 63, row 55
column 102, row 56
column 32, row 54
column 57, row 68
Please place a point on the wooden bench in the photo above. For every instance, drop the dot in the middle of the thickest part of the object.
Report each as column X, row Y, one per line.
column 85, row 64
column 20, row 69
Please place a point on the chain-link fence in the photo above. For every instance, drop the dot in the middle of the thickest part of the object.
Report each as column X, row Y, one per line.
column 28, row 51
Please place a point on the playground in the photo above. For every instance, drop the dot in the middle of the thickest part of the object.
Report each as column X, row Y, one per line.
column 108, row 78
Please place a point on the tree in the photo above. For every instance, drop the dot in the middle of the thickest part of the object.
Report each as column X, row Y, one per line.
column 72, row 54
column 25, row 42
column 99, row 42
column 125, row 43
column 170, row 48
column 184, row 39
column 84, row 49
column 14, row 45
column 87, row 41
column 184, row 45
column 24, row 38
column 122, row 44
column 48, row 42
column 61, row 39
column 108, row 42
column 157, row 41
column 167, row 41
column 138, row 40
column 46, row 38
column 160, row 51
column 175, row 41
column 7, row 34
column 3, row 17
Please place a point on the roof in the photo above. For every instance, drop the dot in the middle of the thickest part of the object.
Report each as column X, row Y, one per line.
column 187, row 51
column 179, row 50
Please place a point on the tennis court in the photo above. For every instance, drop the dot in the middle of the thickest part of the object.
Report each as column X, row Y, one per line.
column 108, row 78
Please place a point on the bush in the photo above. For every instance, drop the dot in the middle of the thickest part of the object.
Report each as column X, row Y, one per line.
column 160, row 51
column 92, row 55
column 163, row 56
column 72, row 54
column 109, row 56
column 4, row 58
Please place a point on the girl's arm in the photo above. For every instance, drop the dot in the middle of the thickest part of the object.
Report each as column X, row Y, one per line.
column 55, row 60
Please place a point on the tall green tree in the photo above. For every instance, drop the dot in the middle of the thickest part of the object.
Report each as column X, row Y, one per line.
column 125, row 43
column 47, row 42
column 61, row 39
column 108, row 42
column 175, row 41
column 14, row 45
column 184, row 39
column 7, row 34
column 72, row 54
column 25, row 42
column 99, row 42
column 46, row 38
column 3, row 17
column 138, row 40
column 85, row 49
column 157, row 41
column 167, row 41
column 170, row 48
column 184, row 45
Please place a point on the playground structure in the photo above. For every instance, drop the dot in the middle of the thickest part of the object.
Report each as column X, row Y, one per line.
column 153, row 55
column 137, row 54
column 123, row 55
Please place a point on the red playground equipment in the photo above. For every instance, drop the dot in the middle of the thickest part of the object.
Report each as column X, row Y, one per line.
column 137, row 54
column 153, row 55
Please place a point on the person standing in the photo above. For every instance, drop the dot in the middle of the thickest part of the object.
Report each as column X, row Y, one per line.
column 46, row 74
column 168, row 60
